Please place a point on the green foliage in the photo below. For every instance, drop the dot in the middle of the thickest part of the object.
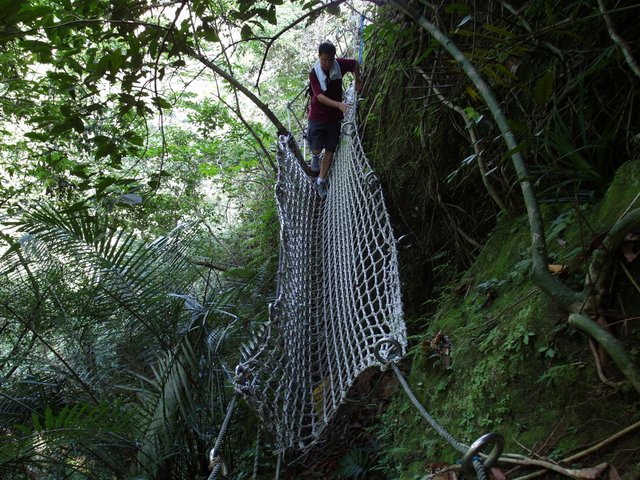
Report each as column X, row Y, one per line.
column 99, row 307
column 515, row 362
column 356, row 464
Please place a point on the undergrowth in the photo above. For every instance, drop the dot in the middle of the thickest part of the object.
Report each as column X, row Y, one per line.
column 571, row 99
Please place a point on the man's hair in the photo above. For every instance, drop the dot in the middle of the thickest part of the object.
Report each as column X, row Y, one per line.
column 328, row 48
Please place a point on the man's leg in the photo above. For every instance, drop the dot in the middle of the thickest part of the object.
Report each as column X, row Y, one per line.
column 331, row 143
column 316, row 160
column 315, row 137
column 326, row 164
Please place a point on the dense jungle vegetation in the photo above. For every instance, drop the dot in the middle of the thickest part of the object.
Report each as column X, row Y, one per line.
column 139, row 230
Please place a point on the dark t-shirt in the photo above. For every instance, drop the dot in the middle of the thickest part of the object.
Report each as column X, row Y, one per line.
column 323, row 113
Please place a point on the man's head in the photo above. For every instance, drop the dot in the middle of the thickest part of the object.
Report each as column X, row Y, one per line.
column 327, row 54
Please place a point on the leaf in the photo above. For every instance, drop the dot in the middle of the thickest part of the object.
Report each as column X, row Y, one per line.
column 469, row 159
column 544, row 88
column 115, row 61
column 459, row 8
column 161, row 102
column 36, row 46
column 472, row 93
column 209, row 33
column 333, row 10
column 130, row 199
column 37, row 136
column 105, row 146
column 472, row 114
column 630, row 254
column 556, row 269
column 501, row 31
column 246, row 33
column 466, row 19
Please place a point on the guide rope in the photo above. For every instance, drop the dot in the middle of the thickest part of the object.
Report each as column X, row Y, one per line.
column 471, row 461
column 216, row 462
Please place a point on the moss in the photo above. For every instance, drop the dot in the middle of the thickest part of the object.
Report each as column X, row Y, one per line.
column 518, row 368
column 623, row 191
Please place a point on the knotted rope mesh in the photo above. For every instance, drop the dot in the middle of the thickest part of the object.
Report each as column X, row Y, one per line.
column 338, row 295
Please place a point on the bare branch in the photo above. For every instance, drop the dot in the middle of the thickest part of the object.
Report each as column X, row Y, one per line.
column 626, row 51
column 281, row 129
column 289, row 27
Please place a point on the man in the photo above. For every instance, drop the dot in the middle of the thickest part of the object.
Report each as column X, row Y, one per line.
column 327, row 109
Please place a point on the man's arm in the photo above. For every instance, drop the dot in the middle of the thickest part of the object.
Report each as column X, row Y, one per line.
column 343, row 107
column 322, row 98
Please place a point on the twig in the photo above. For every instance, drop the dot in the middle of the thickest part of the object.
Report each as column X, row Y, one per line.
column 587, row 451
column 611, row 344
column 527, row 27
column 75, row 374
column 163, row 142
column 237, row 85
column 626, row 210
column 618, row 40
column 603, row 378
column 468, row 123
column 289, row 27
column 630, row 277
column 601, row 260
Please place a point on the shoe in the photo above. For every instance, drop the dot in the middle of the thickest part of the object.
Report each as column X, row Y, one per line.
column 321, row 186
column 315, row 164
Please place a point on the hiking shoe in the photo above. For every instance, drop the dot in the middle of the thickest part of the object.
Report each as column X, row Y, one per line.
column 315, row 164
column 322, row 188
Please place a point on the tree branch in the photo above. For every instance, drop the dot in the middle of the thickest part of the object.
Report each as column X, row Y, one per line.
column 474, row 141
column 598, row 272
column 626, row 51
column 289, row 27
column 281, row 129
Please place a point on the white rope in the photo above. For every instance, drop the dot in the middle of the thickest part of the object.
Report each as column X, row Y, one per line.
column 338, row 296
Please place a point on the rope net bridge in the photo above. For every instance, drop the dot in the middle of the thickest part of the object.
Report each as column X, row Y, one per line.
column 338, row 308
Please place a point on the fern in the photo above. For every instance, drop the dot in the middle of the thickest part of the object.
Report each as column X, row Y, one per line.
column 356, row 464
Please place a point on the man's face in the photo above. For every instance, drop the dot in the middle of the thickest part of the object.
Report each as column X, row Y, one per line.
column 326, row 61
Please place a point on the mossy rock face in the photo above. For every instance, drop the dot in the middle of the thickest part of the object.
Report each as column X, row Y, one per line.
column 517, row 367
column 621, row 195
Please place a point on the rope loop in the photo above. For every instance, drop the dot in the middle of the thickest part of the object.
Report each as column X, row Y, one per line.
column 393, row 352
column 372, row 180
column 348, row 128
column 404, row 242
column 490, row 438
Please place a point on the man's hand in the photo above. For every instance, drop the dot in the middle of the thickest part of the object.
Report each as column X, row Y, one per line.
column 344, row 107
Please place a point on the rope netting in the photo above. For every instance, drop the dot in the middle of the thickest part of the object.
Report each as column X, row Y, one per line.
column 338, row 309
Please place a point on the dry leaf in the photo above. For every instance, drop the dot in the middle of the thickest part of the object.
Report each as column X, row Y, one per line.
column 629, row 252
column 556, row 269
column 497, row 474
column 440, row 471
column 613, row 473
